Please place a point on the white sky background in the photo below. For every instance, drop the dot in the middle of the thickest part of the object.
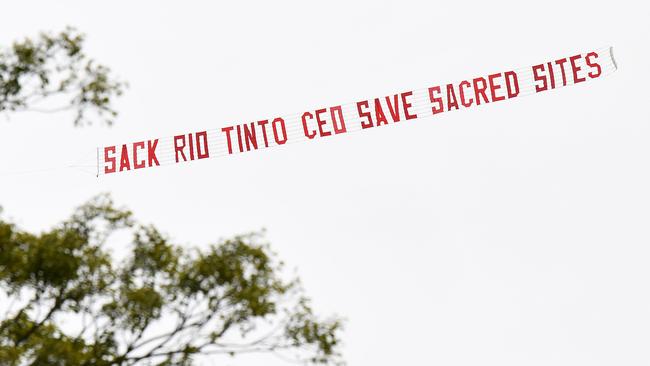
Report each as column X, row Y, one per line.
column 511, row 234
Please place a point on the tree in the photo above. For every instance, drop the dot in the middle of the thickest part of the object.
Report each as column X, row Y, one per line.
column 52, row 73
column 71, row 302
column 72, row 305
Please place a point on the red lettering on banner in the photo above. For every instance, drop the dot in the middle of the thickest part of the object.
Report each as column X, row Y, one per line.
column 512, row 84
column 593, row 64
column 124, row 159
column 338, row 128
column 321, row 122
column 263, row 125
column 379, row 114
column 227, row 131
column 364, row 114
column 130, row 157
column 336, row 120
column 151, row 152
column 202, row 150
column 480, row 91
column 560, row 63
column 191, row 143
column 109, row 151
column 481, row 85
column 241, row 147
column 494, row 87
column 196, row 144
column 179, row 148
column 393, row 105
column 247, row 135
column 451, row 97
column 393, row 108
column 436, row 100
column 136, row 163
column 329, row 121
column 551, row 75
column 407, row 105
column 576, row 68
column 309, row 134
column 538, row 77
column 250, row 137
column 543, row 81
column 280, row 140
column 469, row 102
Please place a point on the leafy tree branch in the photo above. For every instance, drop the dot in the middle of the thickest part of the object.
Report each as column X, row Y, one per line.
column 163, row 305
column 51, row 73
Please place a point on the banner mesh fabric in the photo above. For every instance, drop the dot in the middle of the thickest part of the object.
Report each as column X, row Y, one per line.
column 400, row 108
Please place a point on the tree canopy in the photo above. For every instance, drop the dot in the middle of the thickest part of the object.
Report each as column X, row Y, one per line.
column 52, row 73
column 72, row 302
column 67, row 299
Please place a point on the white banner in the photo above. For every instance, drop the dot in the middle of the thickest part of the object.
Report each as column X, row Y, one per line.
column 399, row 108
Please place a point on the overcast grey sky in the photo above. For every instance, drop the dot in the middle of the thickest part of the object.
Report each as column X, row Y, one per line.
column 511, row 234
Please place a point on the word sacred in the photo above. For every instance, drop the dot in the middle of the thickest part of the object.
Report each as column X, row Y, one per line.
column 364, row 114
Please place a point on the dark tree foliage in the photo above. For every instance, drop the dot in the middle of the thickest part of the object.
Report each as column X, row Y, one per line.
column 52, row 73
column 70, row 301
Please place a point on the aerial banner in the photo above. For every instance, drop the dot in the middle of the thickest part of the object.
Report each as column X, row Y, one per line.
column 400, row 108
